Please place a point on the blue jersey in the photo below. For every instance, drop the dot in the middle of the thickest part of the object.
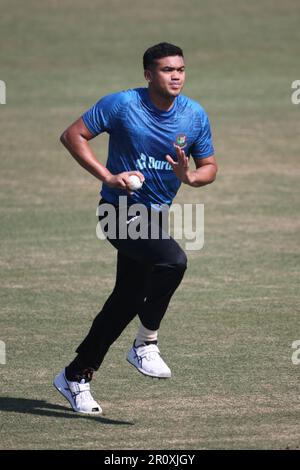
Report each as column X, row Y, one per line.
column 141, row 136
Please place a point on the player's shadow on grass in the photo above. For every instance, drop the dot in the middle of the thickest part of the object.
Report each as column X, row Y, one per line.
column 42, row 408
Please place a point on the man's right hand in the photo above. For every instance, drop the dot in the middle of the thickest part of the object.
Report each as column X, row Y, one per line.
column 121, row 180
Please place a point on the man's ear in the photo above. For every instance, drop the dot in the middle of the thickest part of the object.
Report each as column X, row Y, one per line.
column 148, row 75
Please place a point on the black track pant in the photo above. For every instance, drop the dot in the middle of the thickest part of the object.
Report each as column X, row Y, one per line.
column 148, row 273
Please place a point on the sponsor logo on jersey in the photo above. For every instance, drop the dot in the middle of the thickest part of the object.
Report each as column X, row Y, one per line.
column 146, row 161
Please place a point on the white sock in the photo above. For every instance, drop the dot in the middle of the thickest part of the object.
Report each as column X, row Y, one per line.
column 144, row 334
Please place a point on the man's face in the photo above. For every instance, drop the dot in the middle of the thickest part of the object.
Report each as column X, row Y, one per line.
column 167, row 76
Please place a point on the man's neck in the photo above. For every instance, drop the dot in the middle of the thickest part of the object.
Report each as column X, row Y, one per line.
column 161, row 102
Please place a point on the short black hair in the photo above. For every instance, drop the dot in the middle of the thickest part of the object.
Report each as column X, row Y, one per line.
column 163, row 49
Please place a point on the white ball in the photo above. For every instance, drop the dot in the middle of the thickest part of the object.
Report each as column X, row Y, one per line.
column 134, row 182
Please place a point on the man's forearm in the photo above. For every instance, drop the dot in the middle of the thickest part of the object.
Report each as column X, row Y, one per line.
column 83, row 154
column 202, row 176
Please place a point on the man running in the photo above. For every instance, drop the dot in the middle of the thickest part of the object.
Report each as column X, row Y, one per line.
column 153, row 133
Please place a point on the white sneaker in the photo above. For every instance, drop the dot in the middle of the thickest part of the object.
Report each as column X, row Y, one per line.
column 146, row 358
column 77, row 394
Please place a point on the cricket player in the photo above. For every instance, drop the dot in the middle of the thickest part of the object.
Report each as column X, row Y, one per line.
column 153, row 134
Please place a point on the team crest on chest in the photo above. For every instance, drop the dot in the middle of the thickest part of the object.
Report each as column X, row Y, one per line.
column 181, row 141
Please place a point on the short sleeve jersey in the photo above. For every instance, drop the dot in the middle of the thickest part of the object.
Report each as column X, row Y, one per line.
column 140, row 137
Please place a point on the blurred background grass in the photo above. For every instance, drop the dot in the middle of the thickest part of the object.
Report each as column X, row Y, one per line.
column 228, row 333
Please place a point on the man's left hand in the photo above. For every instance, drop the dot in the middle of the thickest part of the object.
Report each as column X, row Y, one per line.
column 181, row 167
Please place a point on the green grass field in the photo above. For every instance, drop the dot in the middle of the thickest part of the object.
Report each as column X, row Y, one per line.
column 228, row 333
